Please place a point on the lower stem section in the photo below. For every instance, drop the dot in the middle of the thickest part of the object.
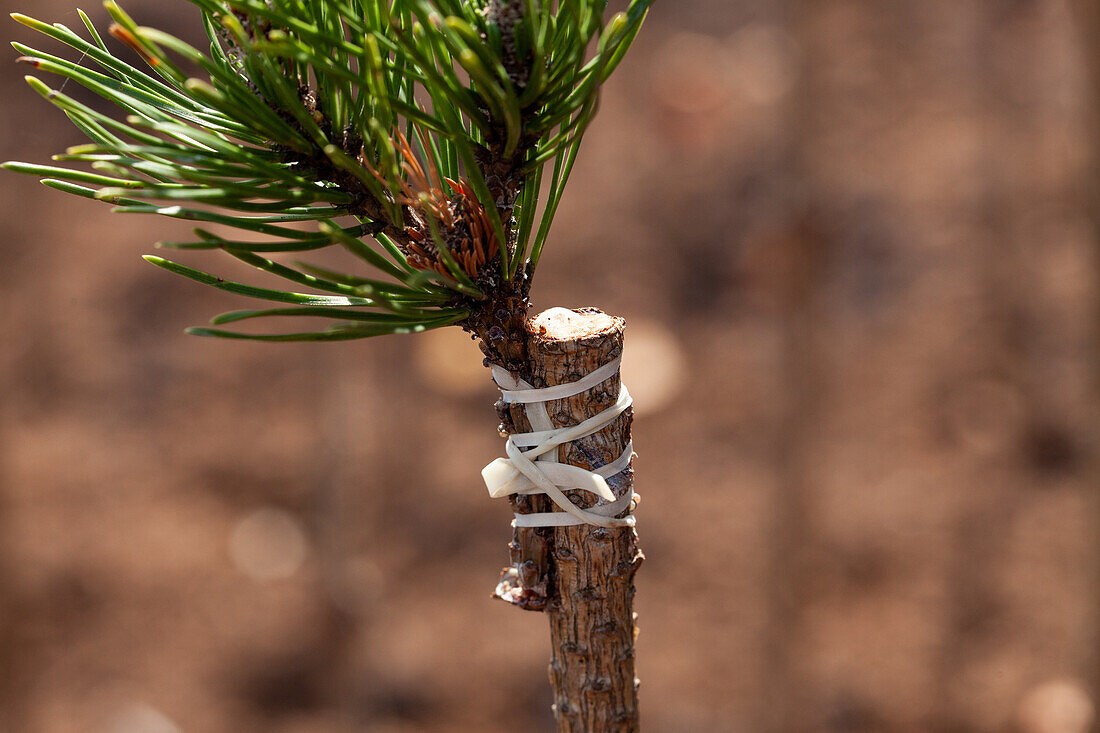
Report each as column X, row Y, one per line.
column 592, row 629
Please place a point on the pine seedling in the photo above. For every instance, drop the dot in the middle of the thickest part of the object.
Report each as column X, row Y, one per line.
column 431, row 140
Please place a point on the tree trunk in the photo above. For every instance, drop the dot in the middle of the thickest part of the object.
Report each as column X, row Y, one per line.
column 581, row 576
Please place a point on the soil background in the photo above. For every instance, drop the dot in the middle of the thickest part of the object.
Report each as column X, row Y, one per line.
column 853, row 243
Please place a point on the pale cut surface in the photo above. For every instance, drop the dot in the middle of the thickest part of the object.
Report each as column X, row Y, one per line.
column 563, row 324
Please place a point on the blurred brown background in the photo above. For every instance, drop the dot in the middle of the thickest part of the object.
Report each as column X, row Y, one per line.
column 852, row 239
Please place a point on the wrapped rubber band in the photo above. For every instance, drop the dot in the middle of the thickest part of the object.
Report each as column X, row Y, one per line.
column 537, row 471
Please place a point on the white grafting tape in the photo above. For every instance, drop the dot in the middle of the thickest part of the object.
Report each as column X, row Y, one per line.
column 537, row 471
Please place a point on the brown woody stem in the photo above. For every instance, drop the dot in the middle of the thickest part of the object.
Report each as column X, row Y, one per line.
column 581, row 576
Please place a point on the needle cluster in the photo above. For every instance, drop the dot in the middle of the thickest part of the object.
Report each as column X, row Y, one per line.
column 431, row 139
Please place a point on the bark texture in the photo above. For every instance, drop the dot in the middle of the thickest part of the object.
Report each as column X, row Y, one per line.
column 583, row 576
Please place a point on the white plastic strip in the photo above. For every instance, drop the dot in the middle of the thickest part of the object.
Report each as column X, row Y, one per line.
column 559, row 391
column 519, row 474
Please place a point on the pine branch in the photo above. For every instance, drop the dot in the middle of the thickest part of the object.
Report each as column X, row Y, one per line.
column 423, row 126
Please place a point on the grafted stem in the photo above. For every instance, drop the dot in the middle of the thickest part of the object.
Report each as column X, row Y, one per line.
column 581, row 576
